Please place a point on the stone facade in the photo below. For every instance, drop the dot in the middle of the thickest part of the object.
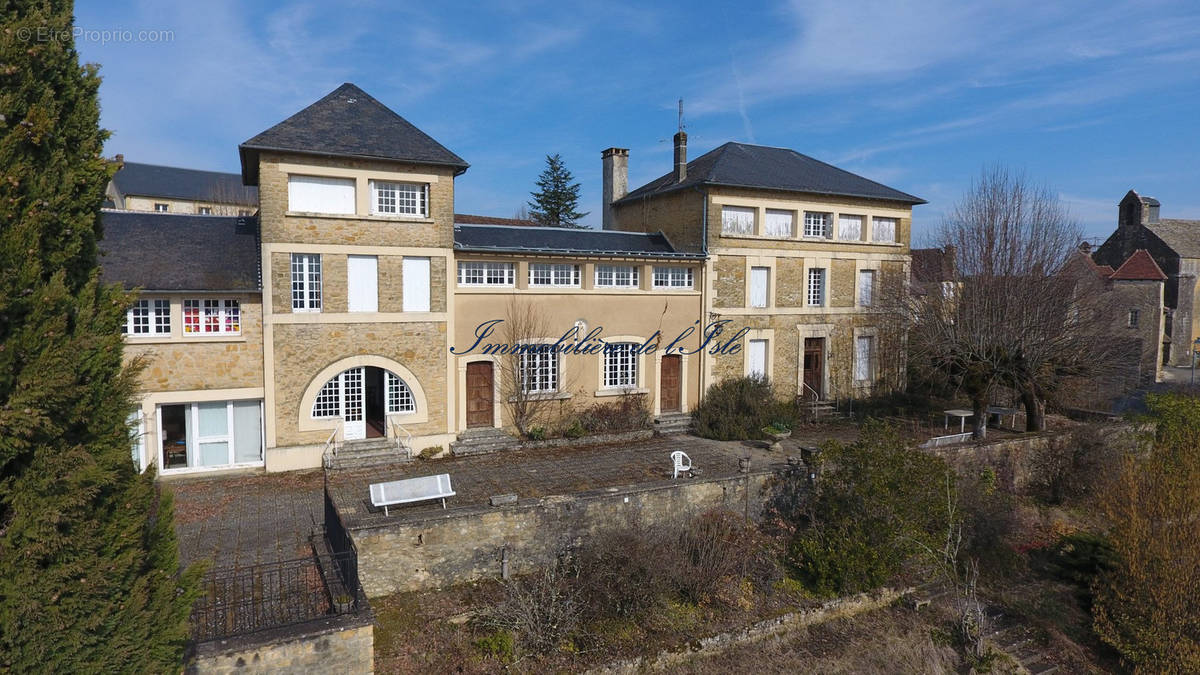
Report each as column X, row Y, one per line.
column 342, row 645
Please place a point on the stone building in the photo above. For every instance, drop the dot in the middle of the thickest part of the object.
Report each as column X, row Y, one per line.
column 796, row 254
column 167, row 189
column 1174, row 245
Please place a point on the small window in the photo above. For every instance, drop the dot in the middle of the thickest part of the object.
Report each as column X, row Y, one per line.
column 885, row 230
column 620, row 365
column 866, row 288
column 212, row 317
column 486, row 274
column 161, row 207
column 816, row 287
column 399, row 199
column 416, row 293
column 759, row 282
column 539, row 370
column 242, row 213
column 1134, row 315
column 673, row 277
column 864, row 358
column 850, row 228
column 779, row 223
column 616, row 276
column 362, row 283
column 320, row 194
column 306, row 282
column 756, row 355
column 148, row 317
column 204, row 210
column 558, row 276
column 737, row 220
column 399, row 396
column 817, row 224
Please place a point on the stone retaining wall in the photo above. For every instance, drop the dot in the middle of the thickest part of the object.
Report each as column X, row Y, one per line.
column 344, row 644
column 1011, row 458
column 473, row 542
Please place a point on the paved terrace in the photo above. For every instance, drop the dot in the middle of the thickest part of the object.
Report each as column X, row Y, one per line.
column 544, row 472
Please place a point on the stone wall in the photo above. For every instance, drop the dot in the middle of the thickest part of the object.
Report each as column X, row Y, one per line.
column 729, row 285
column 342, row 645
column 1012, row 458
column 465, row 544
column 678, row 215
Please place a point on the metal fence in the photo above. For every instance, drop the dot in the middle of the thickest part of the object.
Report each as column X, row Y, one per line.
column 345, row 555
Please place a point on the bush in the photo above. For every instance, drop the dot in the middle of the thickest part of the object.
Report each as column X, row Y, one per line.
column 717, row 551
column 542, row 610
column 879, row 505
column 736, row 409
column 1071, row 467
column 989, row 520
column 430, row 452
column 624, row 571
column 498, row 645
column 628, row 412
column 536, row 434
column 575, row 430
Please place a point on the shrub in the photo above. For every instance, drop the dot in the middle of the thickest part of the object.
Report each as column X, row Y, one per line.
column 536, row 434
column 575, row 430
column 1070, row 467
column 736, row 409
column 542, row 610
column 430, row 452
column 989, row 520
column 498, row 645
column 879, row 504
column 624, row 571
column 628, row 412
column 717, row 550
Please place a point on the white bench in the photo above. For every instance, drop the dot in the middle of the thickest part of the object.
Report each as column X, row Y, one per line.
column 411, row 490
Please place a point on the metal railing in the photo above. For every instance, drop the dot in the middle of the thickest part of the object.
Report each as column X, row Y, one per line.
column 403, row 439
column 345, row 553
column 332, row 444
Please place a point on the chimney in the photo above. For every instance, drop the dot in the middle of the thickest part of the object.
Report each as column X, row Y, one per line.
column 615, row 170
column 680, row 156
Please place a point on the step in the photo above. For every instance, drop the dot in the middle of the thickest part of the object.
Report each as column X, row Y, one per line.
column 481, row 441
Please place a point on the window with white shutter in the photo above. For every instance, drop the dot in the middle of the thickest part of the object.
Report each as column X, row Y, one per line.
column 415, row 276
column 757, row 355
column 884, row 229
column 321, row 194
column 737, row 220
column 779, row 223
column 362, row 283
column 864, row 355
column 850, row 228
column 866, row 288
column 759, row 283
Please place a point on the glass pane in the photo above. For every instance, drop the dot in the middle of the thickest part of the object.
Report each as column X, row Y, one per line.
column 212, row 420
column 175, row 420
column 214, row 454
column 247, row 432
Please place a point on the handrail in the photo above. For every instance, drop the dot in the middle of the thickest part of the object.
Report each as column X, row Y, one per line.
column 816, row 394
column 404, row 447
column 331, row 443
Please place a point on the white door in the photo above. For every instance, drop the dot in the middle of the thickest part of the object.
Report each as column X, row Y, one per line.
column 758, row 286
column 416, row 284
column 362, row 281
column 354, row 423
column 758, row 357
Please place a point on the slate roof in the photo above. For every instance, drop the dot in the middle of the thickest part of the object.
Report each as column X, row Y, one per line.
column 565, row 241
column 176, row 252
column 153, row 180
column 348, row 122
column 762, row 167
column 468, row 219
column 1183, row 236
column 932, row 265
column 1139, row 267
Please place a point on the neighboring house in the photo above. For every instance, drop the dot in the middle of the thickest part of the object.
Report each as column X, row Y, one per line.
column 1174, row 245
column 933, row 271
column 167, row 189
column 332, row 312
column 797, row 252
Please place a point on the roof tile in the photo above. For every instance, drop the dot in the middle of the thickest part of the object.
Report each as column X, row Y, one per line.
column 1139, row 267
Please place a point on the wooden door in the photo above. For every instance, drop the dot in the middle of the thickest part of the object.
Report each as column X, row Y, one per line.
column 814, row 367
column 480, row 394
column 669, row 394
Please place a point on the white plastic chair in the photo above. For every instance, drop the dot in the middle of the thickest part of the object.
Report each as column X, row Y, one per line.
column 682, row 463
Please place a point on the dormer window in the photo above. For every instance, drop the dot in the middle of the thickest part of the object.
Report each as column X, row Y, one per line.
column 399, row 199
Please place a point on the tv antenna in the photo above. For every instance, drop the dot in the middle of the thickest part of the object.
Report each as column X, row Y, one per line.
column 681, row 114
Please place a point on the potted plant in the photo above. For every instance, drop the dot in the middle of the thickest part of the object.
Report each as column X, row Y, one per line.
column 343, row 602
column 778, row 432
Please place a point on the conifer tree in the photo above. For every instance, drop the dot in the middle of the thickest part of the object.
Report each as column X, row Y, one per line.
column 557, row 198
column 88, row 564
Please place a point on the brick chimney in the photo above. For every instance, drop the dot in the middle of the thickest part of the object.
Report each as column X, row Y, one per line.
column 615, row 171
column 680, row 156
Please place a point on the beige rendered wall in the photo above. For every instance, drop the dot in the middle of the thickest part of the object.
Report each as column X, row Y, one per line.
column 185, row 206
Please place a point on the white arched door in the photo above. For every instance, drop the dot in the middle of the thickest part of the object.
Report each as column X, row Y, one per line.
column 354, row 422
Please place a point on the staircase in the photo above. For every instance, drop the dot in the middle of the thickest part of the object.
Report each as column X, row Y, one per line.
column 481, row 441
column 366, row 453
column 672, row 423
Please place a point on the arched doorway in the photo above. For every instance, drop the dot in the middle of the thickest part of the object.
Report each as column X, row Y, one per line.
column 363, row 397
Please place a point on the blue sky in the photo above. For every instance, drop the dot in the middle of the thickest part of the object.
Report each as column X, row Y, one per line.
column 1090, row 98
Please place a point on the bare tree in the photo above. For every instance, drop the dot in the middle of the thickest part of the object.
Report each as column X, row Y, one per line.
column 524, row 375
column 227, row 200
column 1014, row 316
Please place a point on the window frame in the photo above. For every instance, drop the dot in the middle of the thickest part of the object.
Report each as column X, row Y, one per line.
column 552, row 270
column 669, row 273
column 862, row 222
column 869, row 299
column 204, row 210
column 765, row 272
column 864, row 370
column 767, row 232
column 738, row 211
column 223, row 310
column 308, row 284
column 486, row 268
column 826, row 224
column 619, row 366
column 157, row 318
column 166, row 208
column 1134, row 318
column 895, row 226
column 822, row 276
column 537, row 359
column 632, row 271
column 339, row 180
column 419, row 198
column 193, row 437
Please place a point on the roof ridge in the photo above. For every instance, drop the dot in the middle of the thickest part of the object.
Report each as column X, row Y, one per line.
column 1139, row 258
column 183, row 168
column 556, row 229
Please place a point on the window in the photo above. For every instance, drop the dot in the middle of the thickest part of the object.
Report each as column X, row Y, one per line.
column 546, row 274
column 866, row 288
column 756, row 356
column 415, row 275
column 306, row 282
column 204, row 210
column 332, row 399
column 211, row 317
column 485, row 274
column 864, row 357
column 816, row 287
column 616, row 276
column 816, row 224
column 318, row 194
column 399, row 396
column 779, row 223
column 399, row 199
column 758, row 286
column 137, row 438
column 539, row 370
column 242, row 213
column 850, row 228
column 210, row 435
column 362, row 283
column 737, row 220
column 673, row 277
column 620, row 365
column 885, row 229
column 160, row 207
column 1134, row 315
column 148, row 317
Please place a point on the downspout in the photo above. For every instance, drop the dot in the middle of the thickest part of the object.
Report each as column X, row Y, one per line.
column 702, row 384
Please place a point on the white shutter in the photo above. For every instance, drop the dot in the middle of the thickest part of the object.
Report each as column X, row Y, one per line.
column 862, row 358
column 850, row 228
column 779, row 223
column 416, row 284
column 737, row 220
column 758, row 286
column 363, row 283
column 316, row 194
column 866, row 287
column 758, row 357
